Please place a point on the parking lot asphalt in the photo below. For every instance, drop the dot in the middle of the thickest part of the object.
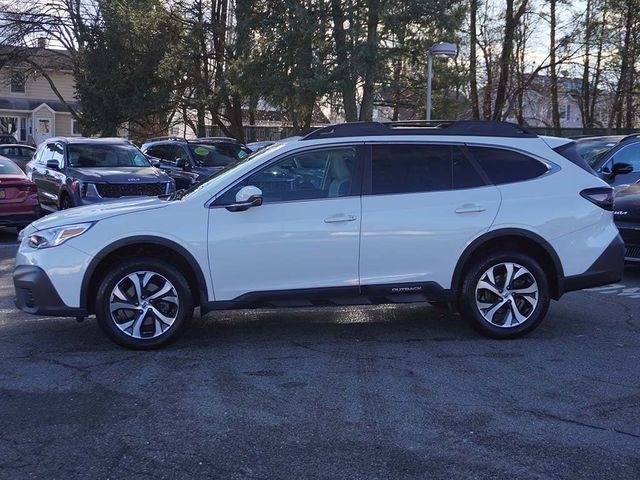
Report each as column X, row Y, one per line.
column 376, row 392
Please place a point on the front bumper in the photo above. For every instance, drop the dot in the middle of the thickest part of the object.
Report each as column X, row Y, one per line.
column 608, row 268
column 630, row 233
column 36, row 294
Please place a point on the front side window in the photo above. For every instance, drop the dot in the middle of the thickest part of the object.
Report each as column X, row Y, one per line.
column 163, row 152
column 629, row 155
column 317, row 174
column 58, row 153
column 506, row 166
column 105, row 156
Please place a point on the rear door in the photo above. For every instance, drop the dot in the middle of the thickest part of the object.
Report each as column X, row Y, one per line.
column 423, row 203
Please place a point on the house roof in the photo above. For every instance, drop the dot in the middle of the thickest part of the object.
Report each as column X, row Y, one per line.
column 29, row 104
column 45, row 58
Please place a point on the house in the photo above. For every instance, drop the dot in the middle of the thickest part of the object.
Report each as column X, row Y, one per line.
column 30, row 110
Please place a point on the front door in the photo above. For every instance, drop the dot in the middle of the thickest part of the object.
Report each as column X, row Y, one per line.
column 423, row 205
column 305, row 235
column 627, row 155
column 43, row 129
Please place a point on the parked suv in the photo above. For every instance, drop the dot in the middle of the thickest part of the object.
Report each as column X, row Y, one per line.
column 482, row 214
column 81, row 171
column 191, row 161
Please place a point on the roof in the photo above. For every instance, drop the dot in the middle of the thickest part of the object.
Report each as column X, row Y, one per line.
column 89, row 140
column 45, row 58
column 29, row 104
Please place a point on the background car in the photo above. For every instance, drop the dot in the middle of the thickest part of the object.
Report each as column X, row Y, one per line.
column 200, row 156
column 627, row 217
column 614, row 158
column 19, row 204
column 255, row 146
column 19, row 154
column 7, row 138
column 80, row 171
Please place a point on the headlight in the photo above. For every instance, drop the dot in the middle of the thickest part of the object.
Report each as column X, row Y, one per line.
column 53, row 237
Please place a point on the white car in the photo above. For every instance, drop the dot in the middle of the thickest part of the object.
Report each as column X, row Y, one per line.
column 483, row 215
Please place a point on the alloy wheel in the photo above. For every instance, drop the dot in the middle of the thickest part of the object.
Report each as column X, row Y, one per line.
column 144, row 304
column 507, row 295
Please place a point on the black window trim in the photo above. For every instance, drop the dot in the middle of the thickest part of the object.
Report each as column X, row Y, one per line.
column 356, row 186
column 367, row 184
column 551, row 167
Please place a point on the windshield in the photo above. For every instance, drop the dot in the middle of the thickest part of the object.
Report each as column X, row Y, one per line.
column 228, row 168
column 7, row 167
column 94, row 155
column 219, row 155
column 593, row 150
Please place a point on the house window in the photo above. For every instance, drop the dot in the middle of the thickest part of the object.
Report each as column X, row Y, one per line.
column 17, row 82
column 75, row 128
column 565, row 112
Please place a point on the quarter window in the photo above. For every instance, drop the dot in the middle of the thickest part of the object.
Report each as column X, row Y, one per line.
column 506, row 166
column 326, row 173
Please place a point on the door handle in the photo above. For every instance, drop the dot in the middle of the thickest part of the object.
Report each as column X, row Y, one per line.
column 470, row 208
column 339, row 217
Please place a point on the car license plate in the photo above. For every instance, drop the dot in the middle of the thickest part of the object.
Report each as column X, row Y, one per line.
column 2, row 193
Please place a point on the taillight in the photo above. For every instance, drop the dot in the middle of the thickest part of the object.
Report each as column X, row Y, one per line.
column 600, row 196
column 31, row 188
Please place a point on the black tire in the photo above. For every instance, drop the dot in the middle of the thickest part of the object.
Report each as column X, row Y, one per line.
column 471, row 311
column 183, row 312
column 65, row 202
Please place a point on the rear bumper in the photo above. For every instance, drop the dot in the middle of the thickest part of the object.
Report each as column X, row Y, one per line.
column 608, row 268
column 36, row 294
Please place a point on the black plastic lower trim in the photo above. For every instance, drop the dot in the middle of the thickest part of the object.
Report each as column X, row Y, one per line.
column 608, row 268
column 36, row 294
column 337, row 296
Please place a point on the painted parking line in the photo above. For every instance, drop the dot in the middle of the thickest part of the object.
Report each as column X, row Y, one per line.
column 617, row 289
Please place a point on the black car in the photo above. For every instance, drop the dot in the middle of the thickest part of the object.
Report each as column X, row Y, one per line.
column 7, row 138
column 19, row 154
column 615, row 158
column 80, row 171
column 627, row 217
column 199, row 157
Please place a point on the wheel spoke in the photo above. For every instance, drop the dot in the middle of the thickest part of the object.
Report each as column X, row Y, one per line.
column 166, row 288
column 529, row 298
column 172, row 299
column 163, row 318
column 509, row 267
column 489, row 286
column 122, row 306
column 492, row 311
column 516, row 312
column 508, row 318
column 137, row 285
column 157, row 328
column 118, row 293
column 533, row 288
column 138, row 323
column 125, row 325
column 147, row 276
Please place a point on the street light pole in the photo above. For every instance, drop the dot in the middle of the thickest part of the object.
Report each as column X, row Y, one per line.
column 429, row 72
column 442, row 49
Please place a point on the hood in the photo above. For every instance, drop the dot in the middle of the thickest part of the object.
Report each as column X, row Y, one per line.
column 93, row 213
column 626, row 203
column 128, row 175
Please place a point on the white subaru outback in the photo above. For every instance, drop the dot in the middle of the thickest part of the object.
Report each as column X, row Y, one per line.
column 483, row 215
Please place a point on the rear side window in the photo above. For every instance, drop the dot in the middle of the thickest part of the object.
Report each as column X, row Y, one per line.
column 412, row 168
column 506, row 166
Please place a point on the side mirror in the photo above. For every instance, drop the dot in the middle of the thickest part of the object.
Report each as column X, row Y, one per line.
column 53, row 164
column 246, row 198
column 620, row 169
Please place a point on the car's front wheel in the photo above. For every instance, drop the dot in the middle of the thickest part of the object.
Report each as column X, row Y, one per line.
column 144, row 303
column 505, row 295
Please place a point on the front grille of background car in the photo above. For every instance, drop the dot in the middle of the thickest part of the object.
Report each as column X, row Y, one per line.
column 632, row 252
column 114, row 190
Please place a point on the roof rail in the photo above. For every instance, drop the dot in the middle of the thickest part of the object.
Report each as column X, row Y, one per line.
column 482, row 128
column 631, row 136
column 212, row 139
column 167, row 137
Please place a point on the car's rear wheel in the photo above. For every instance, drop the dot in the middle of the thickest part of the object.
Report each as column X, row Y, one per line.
column 505, row 295
column 144, row 303
column 65, row 202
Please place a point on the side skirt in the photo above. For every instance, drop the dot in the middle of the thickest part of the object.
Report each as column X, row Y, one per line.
column 337, row 296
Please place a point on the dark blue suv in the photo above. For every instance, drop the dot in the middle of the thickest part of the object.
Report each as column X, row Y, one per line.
column 190, row 161
column 81, row 171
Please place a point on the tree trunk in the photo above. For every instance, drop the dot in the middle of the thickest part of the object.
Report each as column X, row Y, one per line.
column 555, row 107
column 511, row 22
column 346, row 81
column 371, row 60
column 473, row 67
